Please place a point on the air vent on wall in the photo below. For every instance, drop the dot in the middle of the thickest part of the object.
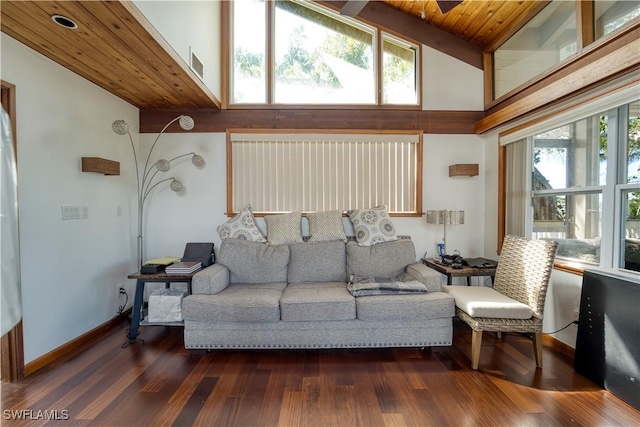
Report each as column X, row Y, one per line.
column 195, row 64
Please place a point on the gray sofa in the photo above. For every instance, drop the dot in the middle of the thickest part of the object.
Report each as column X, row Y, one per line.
column 296, row 296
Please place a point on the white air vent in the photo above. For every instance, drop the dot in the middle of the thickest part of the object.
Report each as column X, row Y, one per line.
column 195, row 64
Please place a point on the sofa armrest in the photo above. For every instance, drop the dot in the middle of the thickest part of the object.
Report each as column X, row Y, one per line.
column 429, row 277
column 210, row 280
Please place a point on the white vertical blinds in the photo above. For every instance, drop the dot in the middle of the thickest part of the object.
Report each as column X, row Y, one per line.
column 318, row 172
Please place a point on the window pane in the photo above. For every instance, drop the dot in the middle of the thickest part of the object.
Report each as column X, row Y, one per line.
column 633, row 144
column 398, row 72
column 320, row 59
column 572, row 220
column 571, row 156
column 546, row 40
column 610, row 15
column 632, row 231
column 249, row 79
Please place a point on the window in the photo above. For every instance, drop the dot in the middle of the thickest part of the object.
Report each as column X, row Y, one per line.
column 611, row 15
column 629, row 189
column 585, row 184
column 249, row 73
column 399, row 62
column 569, row 171
column 315, row 56
column 281, row 172
column 546, row 40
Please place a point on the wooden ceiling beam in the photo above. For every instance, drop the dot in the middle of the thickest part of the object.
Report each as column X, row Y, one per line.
column 383, row 15
column 435, row 122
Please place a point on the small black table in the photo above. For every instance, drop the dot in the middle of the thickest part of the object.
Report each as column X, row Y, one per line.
column 465, row 271
column 141, row 280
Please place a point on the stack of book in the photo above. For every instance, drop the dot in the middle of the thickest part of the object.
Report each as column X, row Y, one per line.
column 185, row 267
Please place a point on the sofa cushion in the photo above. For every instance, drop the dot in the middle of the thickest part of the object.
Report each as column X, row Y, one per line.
column 326, row 226
column 387, row 259
column 318, row 262
column 372, row 226
column 250, row 262
column 405, row 307
column 317, row 301
column 241, row 226
column 284, row 229
column 237, row 303
column 480, row 301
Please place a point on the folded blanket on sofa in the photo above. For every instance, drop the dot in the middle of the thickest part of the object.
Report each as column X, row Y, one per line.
column 400, row 285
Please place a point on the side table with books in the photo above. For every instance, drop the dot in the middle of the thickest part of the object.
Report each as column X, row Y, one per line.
column 165, row 276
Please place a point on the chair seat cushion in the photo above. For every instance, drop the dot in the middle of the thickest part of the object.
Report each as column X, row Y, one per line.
column 480, row 301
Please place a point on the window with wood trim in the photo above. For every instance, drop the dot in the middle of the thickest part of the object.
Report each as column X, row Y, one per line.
column 308, row 172
column 298, row 52
column 577, row 182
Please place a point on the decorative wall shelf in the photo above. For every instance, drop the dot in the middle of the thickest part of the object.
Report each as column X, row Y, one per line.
column 468, row 169
column 99, row 165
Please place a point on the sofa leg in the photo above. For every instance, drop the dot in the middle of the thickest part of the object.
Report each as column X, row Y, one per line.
column 537, row 348
column 476, row 344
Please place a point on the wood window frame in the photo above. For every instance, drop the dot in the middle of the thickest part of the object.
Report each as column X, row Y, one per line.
column 226, row 63
column 418, row 172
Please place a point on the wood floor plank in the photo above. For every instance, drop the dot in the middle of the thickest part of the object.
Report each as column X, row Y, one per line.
column 161, row 384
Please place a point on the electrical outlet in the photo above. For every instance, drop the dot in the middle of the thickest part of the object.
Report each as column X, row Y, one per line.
column 576, row 314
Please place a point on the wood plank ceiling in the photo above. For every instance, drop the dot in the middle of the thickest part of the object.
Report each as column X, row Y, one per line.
column 116, row 48
column 480, row 22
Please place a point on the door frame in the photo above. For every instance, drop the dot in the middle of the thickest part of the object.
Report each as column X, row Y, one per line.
column 11, row 345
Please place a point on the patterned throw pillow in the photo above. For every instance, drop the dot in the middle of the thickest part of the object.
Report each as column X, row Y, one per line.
column 283, row 229
column 242, row 226
column 325, row 226
column 372, row 226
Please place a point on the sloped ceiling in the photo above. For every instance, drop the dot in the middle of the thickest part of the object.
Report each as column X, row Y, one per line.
column 116, row 48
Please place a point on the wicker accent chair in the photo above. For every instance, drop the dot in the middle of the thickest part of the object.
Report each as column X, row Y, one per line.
column 516, row 301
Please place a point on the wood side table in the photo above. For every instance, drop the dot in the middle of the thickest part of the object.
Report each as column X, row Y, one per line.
column 141, row 281
column 467, row 272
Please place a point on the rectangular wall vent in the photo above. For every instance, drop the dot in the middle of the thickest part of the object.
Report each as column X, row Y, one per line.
column 195, row 64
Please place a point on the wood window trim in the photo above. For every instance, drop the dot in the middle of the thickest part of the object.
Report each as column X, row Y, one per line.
column 589, row 50
column 419, row 165
column 226, row 14
column 603, row 61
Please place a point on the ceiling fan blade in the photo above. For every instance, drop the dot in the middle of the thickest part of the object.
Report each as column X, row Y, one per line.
column 446, row 5
column 353, row 7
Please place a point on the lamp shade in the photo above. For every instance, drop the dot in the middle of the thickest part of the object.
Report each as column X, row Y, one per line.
column 445, row 217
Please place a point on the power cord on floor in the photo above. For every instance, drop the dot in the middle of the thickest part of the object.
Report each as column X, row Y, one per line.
column 122, row 291
column 575, row 322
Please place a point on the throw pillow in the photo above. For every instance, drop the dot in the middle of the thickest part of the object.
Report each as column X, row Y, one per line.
column 372, row 226
column 242, row 226
column 284, row 229
column 325, row 226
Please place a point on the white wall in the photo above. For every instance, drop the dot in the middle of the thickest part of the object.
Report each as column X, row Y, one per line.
column 173, row 219
column 70, row 268
column 450, row 84
column 190, row 24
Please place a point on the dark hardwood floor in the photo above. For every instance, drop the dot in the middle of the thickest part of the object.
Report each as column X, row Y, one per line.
column 160, row 383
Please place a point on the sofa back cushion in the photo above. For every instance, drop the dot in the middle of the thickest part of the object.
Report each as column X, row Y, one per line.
column 318, row 262
column 387, row 259
column 251, row 262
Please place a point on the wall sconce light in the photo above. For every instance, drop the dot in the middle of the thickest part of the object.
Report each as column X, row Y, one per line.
column 146, row 181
